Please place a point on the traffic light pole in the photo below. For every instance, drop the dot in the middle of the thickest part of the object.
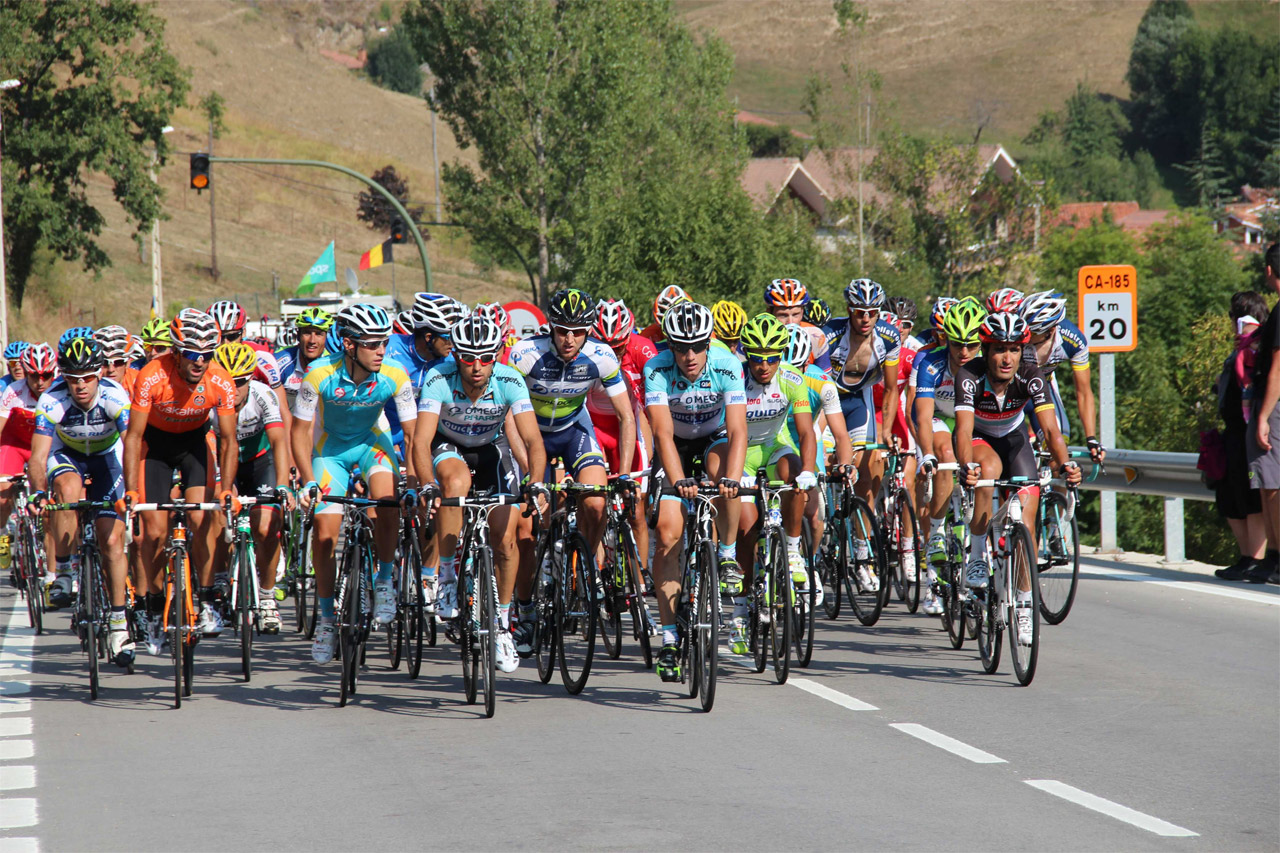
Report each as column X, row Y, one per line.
column 367, row 181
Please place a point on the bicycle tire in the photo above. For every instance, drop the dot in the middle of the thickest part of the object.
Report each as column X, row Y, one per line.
column 907, row 512
column 832, row 557
column 990, row 633
column 86, row 609
column 177, row 616
column 1060, row 571
column 307, row 603
column 416, row 617
column 544, row 628
column 35, row 583
column 348, row 619
column 757, row 642
column 867, row 604
column 707, row 613
column 635, row 601
column 609, row 611
column 1024, row 657
column 576, row 615
column 952, row 605
column 466, row 625
column 779, row 603
column 487, row 599
column 803, row 611
column 892, row 541
column 244, row 607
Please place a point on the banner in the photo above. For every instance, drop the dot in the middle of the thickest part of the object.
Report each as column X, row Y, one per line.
column 377, row 256
column 324, row 269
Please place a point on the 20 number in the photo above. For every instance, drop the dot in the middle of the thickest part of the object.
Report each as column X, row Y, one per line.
column 1117, row 329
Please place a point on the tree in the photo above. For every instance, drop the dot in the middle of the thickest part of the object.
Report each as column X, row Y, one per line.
column 773, row 140
column 373, row 208
column 393, row 63
column 1206, row 177
column 98, row 87
column 575, row 108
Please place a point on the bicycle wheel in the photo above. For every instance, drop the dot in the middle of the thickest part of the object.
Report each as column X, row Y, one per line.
column 575, row 615
column 892, row 542
column 304, row 599
column 635, row 601
column 609, row 611
column 909, row 544
column 349, row 618
column 1023, row 560
column 87, row 611
column 781, row 596
column 35, row 583
column 990, row 633
column 244, row 607
column 487, row 607
column 707, row 628
column 952, row 605
column 467, row 625
column 757, row 627
column 414, row 603
column 867, row 601
column 176, row 620
column 832, row 558
column 1060, row 558
column 395, row 630
column 544, row 624
column 802, row 612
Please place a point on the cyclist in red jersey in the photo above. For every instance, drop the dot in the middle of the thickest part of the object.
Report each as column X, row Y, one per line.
column 495, row 312
column 18, row 417
column 668, row 296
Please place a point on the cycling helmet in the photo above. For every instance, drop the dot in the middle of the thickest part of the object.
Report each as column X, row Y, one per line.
column 765, row 333
column 785, row 293
column 799, row 350
column 73, row 333
column 195, row 331
column 1006, row 299
column 229, row 316
column 403, row 323
column 14, row 351
column 38, row 358
column 436, row 312
column 240, row 360
column 495, row 312
column 571, row 308
column 865, row 294
column 941, row 306
column 114, row 340
column 963, row 321
column 727, row 320
column 905, row 309
column 1004, row 327
column 614, row 323
column 687, row 323
column 287, row 336
column 668, row 296
column 364, row 321
column 1044, row 311
column 80, row 355
column 333, row 340
column 315, row 318
column 817, row 312
column 889, row 317
column 136, row 350
column 156, row 333
column 476, row 337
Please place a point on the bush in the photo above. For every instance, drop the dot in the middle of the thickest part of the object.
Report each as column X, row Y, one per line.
column 393, row 64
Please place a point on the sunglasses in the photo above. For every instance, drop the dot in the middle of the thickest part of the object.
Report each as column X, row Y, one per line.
column 462, row 359
column 684, row 349
column 760, row 358
column 193, row 355
column 79, row 377
column 232, row 336
column 242, row 381
column 159, row 348
column 381, row 342
column 118, row 362
column 42, row 375
column 862, row 312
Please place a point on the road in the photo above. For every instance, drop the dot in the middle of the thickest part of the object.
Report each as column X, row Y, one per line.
column 1153, row 723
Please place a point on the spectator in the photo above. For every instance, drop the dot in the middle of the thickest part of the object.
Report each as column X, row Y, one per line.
column 1264, row 428
column 1239, row 504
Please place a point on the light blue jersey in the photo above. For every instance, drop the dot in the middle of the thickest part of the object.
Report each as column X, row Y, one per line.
column 348, row 410
column 467, row 423
column 697, row 407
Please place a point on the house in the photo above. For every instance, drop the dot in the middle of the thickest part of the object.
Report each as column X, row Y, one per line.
column 1242, row 220
column 770, row 180
column 1127, row 214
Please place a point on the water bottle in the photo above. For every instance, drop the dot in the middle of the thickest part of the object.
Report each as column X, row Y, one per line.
column 775, row 516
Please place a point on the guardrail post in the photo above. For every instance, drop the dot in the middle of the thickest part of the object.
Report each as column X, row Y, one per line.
column 1174, row 540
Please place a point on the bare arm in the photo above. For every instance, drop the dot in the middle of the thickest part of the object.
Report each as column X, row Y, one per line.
column 229, row 463
column 626, row 431
column 664, row 443
column 302, row 442
column 735, row 421
column 531, row 436
column 1085, row 403
column 40, row 445
column 423, row 434
column 133, row 450
column 923, row 418
column 889, row 405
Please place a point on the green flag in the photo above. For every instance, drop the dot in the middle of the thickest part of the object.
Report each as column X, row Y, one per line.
column 324, row 269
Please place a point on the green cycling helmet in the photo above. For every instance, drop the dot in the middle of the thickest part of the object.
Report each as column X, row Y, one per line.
column 156, row 333
column 765, row 333
column 962, row 321
column 315, row 318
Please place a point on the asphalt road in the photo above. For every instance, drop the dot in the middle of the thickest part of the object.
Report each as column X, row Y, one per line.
column 1153, row 723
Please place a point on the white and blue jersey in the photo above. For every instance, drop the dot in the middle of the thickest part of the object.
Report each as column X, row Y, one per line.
column 697, row 406
column 855, row 382
column 466, row 422
column 401, row 350
column 90, row 431
column 1066, row 344
column 558, row 389
column 932, row 379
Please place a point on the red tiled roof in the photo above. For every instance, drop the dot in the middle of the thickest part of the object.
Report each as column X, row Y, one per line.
column 1081, row 214
column 355, row 63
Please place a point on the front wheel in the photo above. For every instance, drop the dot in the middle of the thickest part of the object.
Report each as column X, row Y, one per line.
column 990, row 635
column 486, row 606
column 1059, row 562
column 35, row 583
column 706, row 629
column 781, row 597
column 1024, row 654
column 544, row 624
column 87, row 610
column 802, row 612
column 244, row 607
column 868, row 561
column 575, row 615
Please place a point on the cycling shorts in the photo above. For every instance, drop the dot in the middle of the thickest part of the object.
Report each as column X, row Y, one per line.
column 257, row 476
column 105, row 470
column 13, row 459
column 189, row 453
column 607, row 437
column 1017, row 459
column 334, row 460
column 575, row 446
column 766, row 456
column 695, row 449
column 860, row 416
column 492, row 465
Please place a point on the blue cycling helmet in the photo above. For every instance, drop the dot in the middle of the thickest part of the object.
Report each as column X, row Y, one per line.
column 1044, row 311
column 865, row 294
column 14, row 351
column 73, row 333
column 333, row 340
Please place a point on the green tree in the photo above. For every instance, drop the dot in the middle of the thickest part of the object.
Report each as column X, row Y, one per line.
column 98, row 87
column 393, row 63
column 776, row 140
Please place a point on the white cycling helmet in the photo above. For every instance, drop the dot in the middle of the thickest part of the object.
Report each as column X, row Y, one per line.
column 114, row 340
column 865, row 294
column 364, row 321
column 614, row 322
column 1044, row 311
column 476, row 336
column 436, row 312
column 800, row 349
column 687, row 323
column 229, row 316
column 495, row 312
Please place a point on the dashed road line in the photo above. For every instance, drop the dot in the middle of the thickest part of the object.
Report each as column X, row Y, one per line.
column 841, row 699
column 15, row 731
column 950, row 744
column 1107, row 807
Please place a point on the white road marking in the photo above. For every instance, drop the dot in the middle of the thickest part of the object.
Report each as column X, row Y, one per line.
column 19, row 845
column 14, row 706
column 1106, row 807
column 1272, row 599
column 16, row 655
column 13, row 749
column 17, row 778
column 821, row 690
column 950, row 744
column 17, row 812
column 13, row 726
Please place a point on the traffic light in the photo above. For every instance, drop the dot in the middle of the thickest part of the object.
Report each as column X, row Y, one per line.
column 200, row 171
column 398, row 232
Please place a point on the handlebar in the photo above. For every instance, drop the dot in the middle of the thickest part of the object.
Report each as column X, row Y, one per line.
column 483, row 500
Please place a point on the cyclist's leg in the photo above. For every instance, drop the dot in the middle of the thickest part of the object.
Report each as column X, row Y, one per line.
column 749, row 513
column 585, row 463
column 454, row 478
column 107, row 472
column 715, row 461
column 992, row 468
column 1018, row 460
column 67, row 487
column 859, row 417
column 199, row 472
column 380, row 467
column 12, row 462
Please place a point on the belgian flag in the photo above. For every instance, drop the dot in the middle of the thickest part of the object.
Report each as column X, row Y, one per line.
column 377, row 256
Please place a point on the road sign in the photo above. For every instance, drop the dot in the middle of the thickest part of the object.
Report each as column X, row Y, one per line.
column 1108, row 307
column 525, row 317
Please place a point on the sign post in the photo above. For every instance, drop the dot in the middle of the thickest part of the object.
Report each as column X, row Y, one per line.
column 1108, row 313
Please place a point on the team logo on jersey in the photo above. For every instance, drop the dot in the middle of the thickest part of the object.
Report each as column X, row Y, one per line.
column 339, row 393
column 970, row 386
column 198, row 399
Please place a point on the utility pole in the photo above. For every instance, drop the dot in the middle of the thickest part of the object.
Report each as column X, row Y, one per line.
column 435, row 154
column 157, row 287
column 4, row 286
column 213, row 220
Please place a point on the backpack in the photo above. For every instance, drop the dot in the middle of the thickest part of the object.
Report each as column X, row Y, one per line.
column 1213, row 457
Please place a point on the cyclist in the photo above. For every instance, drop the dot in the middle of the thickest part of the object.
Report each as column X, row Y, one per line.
column 79, row 421
column 991, row 392
column 727, row 320
column 932, row 336
column 17, row 425
column 1054, row 341
column 696, row 401
column 402, row 323
column 901, row 315
column 231, row 318
column 462, row 411
column 818, row 313
column 561, row 368
column 286, row 336
column 433, row 316
column 313, row 326
column 169, row 432
column 348, row 390
column 1005, row 300
column 785, row 299
column 668, row 296
column 931, row 399
column 263, row 468
column 156, row 341
column 776, row 395
column 866, row 351
column 13, row 360
column 115, row 348
column 495, row 312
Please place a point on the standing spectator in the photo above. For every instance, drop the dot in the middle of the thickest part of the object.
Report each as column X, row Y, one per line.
column 1264, row 429
column 1239, row 504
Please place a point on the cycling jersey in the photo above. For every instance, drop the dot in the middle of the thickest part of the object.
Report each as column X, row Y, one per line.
column 18, row 407
column 824, row 399
column 91, row 431
column 932, row 379
column 653, row 332
column 770, row 406
column 260, row 412
column 267, row 370
column 558, row 389
column 349, row 410
column 999, row 415
column 697, row 407
column 468, row 423
column 292, row 370
column 635, row 355
column 174, row 405
column 1067, row 343
column 821, row 346
column 886, row 349
column 402, row 350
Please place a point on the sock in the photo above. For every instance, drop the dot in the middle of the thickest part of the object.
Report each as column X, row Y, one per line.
column 1024, row 596
column 385, row 568
column 208, row 594
column 526, row 609
column 448, row 569
column 326, row 608
column 504, row 616
column 670, row 635
column 935, row 527
column 119, row 609
column 429, row 571
column 64, row 565
column 793, row 544
column 728, row 552
column 977, row 548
